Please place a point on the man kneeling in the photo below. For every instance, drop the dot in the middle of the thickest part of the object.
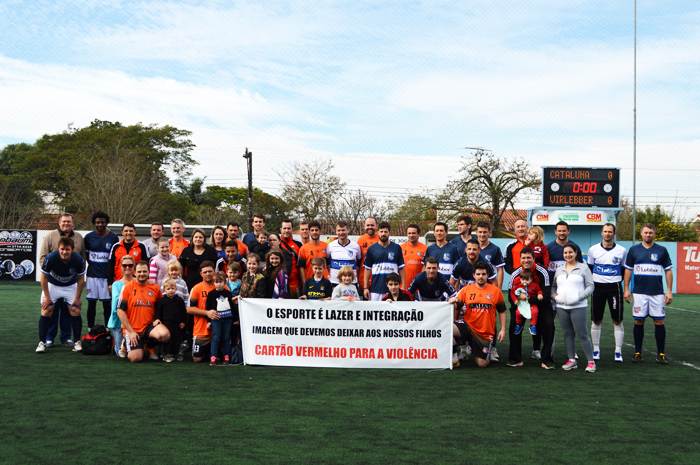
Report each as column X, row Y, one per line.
column 478, row 326
column 136, row 308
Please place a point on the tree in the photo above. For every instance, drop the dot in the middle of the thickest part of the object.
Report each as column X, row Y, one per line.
column 417, row 209
column 667, row 228
column 309, row 188
column 354, row 207
column 487, row 185
column 19, row 203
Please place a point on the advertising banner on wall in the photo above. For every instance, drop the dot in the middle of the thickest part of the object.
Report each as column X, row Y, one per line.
column 346, row 334
column 17, row 255
column 589, row 217
column 688, row 280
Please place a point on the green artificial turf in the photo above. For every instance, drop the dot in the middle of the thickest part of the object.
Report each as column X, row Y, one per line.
column 65, row 407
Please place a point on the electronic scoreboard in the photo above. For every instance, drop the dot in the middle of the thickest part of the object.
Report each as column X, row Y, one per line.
column 581, row 187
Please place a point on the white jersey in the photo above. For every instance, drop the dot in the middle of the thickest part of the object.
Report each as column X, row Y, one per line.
column 339, row 255
column 606, row 264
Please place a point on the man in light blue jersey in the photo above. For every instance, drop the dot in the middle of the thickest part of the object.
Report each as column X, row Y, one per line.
column 649, row 262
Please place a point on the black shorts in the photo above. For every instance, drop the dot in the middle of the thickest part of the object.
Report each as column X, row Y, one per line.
column 479, row 349
column 610, row 293
column 201, row 349
column 144, row 338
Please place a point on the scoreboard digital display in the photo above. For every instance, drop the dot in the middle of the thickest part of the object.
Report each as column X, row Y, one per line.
column 581, row 187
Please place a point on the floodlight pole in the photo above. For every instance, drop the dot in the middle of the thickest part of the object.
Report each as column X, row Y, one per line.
column 634, row 152
column 249, row 156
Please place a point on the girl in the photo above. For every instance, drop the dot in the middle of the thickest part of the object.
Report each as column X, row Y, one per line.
column 252, row 282
column 535, row 240
column 159, row 263
column 346, row 290
column 275, row 275
column 218, row 238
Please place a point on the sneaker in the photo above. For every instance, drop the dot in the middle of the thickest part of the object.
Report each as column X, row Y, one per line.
column 514, row 364
column 618, row 357
column 662, row 359
column 570, row 365
column 596, row 355
column 49, row 343
column 168, row 358
column 226, row 360
column 78, row 346
column 122, row 349
column 152, row 354
column 41, row 348
column 590, row 368
column 462, row 353
column 180, row 357
column 518, row 329
column 637, row 357
column 455, row 360
column 494, row 355
column 575, row 356
column 548, row 365
column 537, row 355
column 469, row 349
column 68, row 343
column 533, row 330
column 212, row 362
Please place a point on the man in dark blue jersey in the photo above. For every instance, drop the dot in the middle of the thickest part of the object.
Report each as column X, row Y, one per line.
column 431, row 285
column 382, row 259
column 446, row 252
column 98, row 244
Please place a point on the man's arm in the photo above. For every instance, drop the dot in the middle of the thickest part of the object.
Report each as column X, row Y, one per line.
column 499, row 277
column 509, row 259
column 81, row 286
column 196, row 311
column 628, row 279
column 402, row 273
column 365, row 282
column 668, row 298
column 501, row 308
column 46, row 301
column 45, row 249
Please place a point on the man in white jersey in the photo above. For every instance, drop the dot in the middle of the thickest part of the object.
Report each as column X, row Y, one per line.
column 606, row 261
column 342, row 252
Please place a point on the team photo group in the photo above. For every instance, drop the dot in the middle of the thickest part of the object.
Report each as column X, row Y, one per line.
column 168, row 296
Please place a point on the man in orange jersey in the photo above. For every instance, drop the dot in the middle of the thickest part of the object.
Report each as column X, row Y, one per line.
column 288, row 243
column 136, row 308
column 177, row 242
column 201, row 340
column 514, row 247
column 233, row 230
column 312, row 249
column 413, row 254
column 478, row 325
column 369, row 238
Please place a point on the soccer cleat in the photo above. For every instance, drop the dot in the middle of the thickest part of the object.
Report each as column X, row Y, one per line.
column 537, row 355
column 596, row 355
column 618, row 357
column 78, row 346
column 637, row 357
column 518, row 329
column 168, row 359
column 494, row 355
column 463, row 354
column 455, row 360
column 514, row 364
column 180, row 357
column 548, row 365
column 49, row 343
column 533, row 330
column 662, row 359
column 68, row 343
column 152, row 356
column 591, row 367
column 41, row 348
column 570, row 365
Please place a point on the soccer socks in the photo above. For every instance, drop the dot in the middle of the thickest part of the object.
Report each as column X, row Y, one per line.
column 660, row 333
column 92, row 311
column 619, row 336
column 595, row 337
column 638, row 337
column 107, row 311
column 77, row 324
column 44, row 325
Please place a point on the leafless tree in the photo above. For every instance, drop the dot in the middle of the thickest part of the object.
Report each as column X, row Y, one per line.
column 19, row 205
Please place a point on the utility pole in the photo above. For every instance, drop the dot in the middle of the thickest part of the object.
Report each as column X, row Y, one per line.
column 249, row 156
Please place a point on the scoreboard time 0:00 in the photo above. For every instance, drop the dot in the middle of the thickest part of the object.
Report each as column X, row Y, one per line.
column 581, row 187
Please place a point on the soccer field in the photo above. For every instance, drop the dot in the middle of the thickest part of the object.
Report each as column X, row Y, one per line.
column 64, row 407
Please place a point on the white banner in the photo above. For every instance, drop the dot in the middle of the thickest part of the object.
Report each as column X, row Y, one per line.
column 310, row 333
column 587, row 217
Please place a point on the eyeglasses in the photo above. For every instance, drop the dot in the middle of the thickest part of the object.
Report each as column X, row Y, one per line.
column 127, row 266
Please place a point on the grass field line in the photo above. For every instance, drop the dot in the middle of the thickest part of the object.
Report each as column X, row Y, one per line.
column 683, row 309
column 668, row 358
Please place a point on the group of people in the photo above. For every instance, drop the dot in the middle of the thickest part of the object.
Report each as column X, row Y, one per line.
column 180, row 294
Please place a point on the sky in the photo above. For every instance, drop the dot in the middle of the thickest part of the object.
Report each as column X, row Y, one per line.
column 391, row 92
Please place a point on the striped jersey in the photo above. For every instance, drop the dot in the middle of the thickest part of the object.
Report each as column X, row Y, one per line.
column 339, row 255
column 382, row 261
column 97, row 249
column 606, row 264
column 649, row 266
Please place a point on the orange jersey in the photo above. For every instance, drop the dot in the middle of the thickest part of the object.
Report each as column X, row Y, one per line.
column 291, row 246
column 176, row 247
column 365, row 242
column 307, row 253
column 480, row 313
column 413, row 259
column 139, row 302
column 200, row 293
column 242, row 249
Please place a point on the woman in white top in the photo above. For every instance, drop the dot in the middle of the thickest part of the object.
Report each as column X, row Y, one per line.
column 573, row 284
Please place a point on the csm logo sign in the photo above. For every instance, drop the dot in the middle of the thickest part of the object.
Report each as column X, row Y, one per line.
column 594, row 218
column 542, row 217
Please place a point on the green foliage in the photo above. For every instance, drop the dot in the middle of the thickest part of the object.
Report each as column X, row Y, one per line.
column 417, row 209
column 11, row 157
column 19, row 203
column 667, row 228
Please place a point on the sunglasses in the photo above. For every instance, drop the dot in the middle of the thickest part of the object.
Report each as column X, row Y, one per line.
column 127, row 266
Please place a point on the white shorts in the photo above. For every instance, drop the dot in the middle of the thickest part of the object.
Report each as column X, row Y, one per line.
column 373, row 296
column 61, row 292
column 648, row 305
column 97, row 289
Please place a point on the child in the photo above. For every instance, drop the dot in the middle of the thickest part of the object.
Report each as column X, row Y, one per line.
column 317, row 287
column 221, row 300
column 159, row 263
column 252, row 282
column 260, row 247
column 523, row 288
column 346, row 290
column 396, row 294
column 535, row 240
column 174, row 269
column 172, row 312
column 276, row 276
column 233, row 272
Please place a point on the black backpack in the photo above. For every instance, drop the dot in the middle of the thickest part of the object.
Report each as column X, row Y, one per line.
column 98, row 341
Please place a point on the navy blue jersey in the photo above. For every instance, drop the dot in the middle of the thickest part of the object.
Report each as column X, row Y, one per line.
column 447, row 256
column 556, row 256
column 314, row 290
column 464, row 272
column 440, row 291
column 248, row 238
column 461, row 246
column 649, row 266
column 97, row 250
column 382, row 261
column 493, row 255
column 63, row 274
